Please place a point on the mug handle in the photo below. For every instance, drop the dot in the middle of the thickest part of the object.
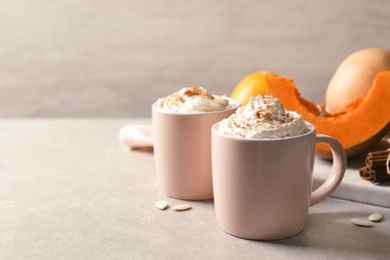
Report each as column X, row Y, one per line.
column 338, row 169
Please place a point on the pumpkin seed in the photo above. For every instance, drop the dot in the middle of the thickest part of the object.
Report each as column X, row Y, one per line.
column 161, row 204
column 181, row 207
column 362, row 222
column 375, row 217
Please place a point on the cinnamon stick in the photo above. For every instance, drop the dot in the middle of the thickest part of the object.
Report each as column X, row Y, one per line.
column 365, row 173
column 377, row 175
column 380, row 175
column 378, row 153
column 377, row 162
column 377, row 167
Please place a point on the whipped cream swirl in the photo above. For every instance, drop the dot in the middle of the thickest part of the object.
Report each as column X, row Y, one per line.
column 263, row 118
column 193, row 100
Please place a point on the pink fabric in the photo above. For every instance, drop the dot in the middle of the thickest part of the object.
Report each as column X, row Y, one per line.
column 136, row 136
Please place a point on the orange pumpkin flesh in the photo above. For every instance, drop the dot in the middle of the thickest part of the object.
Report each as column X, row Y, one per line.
column 358, row 129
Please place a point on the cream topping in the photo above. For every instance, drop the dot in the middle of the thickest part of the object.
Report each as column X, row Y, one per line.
column 263, row 118
column 193, row 100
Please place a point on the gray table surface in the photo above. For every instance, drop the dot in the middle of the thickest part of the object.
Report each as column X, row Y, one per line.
column 69, row 190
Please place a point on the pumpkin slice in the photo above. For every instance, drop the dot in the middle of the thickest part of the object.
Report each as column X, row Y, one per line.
column 252, row 85
column 365, row 124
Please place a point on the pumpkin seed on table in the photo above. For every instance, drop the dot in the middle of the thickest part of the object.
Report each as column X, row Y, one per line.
column 375, row 217
column 161, row 204
column 181, row 207
column 362, row 222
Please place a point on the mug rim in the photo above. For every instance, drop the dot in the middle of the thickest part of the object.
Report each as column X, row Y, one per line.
column 312, row 131
column 236, row 104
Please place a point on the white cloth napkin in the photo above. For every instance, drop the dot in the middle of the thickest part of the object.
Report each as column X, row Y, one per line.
column 136, row 136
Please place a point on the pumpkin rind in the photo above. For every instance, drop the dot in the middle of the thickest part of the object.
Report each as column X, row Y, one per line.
column 353, row 78
column 356, row 129
column 252, row 85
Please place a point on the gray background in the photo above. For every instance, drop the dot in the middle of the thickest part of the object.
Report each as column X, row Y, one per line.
column 96, row 58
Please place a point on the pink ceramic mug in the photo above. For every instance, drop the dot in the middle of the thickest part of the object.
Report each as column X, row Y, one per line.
column 263, row 188
column 182, row 151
